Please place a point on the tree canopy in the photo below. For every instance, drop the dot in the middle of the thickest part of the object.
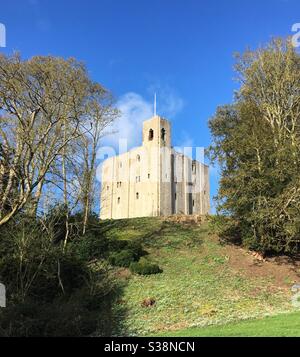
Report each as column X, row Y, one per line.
column 52, row 116
column 256, row 142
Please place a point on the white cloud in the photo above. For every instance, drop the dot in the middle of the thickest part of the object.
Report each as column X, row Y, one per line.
column 135, row 109
column 169, row 103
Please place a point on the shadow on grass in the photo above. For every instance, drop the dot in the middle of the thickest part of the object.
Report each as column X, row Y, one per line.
column 173, row 235
column 119, row 311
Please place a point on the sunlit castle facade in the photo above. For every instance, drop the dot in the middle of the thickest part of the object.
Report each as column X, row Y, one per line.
column 153, row 179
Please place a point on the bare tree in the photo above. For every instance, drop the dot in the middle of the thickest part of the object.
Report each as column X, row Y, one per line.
column 45, row 105
column 103, row 114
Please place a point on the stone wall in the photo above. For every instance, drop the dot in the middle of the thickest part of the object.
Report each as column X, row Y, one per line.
column 153, row 179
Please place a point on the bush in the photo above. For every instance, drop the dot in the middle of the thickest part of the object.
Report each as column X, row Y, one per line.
column 136, row 248
column 61, row 293
column 228, row 229
column 73, row 316
column 118, row 245
column 122, row 259
column 91, row 246
column 144, row 267
column 124, row 252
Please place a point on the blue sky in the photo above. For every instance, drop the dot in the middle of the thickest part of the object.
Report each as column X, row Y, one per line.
column 181, row 49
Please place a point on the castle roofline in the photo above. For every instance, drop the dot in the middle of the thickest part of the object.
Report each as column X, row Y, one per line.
column 137, row 148
column 156, row 117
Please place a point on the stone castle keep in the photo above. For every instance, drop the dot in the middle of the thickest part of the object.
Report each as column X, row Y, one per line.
column 153, row 179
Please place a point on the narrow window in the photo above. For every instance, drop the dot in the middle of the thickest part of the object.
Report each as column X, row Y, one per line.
column 137, row 195
column 194, row 167
column 120, row 165
column 107, row 187
column 119, row 199
column 175, row 196
column 138, row 158
column 151, row 134
column 193, row 203
column 148, row 176
column 163, row 134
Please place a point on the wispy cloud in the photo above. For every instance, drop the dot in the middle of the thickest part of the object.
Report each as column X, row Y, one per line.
column 186, row 140
column 134, row 109
column 113, row 62
column 169, row 103
column 42, row 23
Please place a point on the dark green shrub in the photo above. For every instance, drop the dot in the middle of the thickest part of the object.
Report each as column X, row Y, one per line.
column 116, row 245
column 136, row 248
column 122, row 259
column 226, row 228
column 69, row 293
column 68, row 317
column 124, row 252
column 91, row 246
column 144, row 267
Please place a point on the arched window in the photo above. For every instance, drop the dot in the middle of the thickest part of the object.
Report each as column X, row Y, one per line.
column 137, row 195
column 163, row 134
column 151, row 134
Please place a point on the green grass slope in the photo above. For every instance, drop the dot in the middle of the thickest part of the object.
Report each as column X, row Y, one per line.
column 283, row 325
column 203, row 282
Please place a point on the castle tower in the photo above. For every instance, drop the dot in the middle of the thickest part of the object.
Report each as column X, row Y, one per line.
column 145, row 181
column 157, row 144
column 156, row 132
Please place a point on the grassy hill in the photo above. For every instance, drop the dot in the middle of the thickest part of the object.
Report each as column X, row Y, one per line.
column 203, row 282
column 283, row 325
